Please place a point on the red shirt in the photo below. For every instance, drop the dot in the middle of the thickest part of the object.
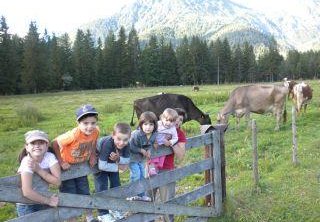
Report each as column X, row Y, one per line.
column 169, row 160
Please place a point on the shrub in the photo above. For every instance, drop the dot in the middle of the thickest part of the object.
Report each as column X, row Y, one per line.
column 112, row 108
column 28, row 115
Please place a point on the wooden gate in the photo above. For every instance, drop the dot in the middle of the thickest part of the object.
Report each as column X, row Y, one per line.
column 71, row 205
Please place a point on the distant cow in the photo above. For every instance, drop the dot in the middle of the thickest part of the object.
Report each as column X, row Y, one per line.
column 300, row 93
column 258, row 99
column 195, row 88
column 159, row 103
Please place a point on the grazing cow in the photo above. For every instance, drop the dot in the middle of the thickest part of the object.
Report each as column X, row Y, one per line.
column 195, row 88
column 302, row 95
column 159, row 103
column 258, row 99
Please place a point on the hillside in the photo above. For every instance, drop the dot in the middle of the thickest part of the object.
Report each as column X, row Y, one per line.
column 294, row 26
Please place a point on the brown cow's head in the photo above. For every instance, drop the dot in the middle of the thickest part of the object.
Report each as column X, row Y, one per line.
column 222, row 118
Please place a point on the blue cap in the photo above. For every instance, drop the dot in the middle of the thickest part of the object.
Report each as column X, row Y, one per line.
column 84, row 110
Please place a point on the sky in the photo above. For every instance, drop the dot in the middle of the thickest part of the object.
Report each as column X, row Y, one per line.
column 60, row 16
column 57, row 16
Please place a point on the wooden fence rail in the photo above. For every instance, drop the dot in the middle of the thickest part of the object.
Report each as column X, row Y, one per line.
column 71, row 205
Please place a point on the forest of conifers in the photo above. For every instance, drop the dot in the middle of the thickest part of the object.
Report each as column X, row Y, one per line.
column 41, row 63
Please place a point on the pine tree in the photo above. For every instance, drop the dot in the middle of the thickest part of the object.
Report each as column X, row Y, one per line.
column 67, row 66
column 134, row 56
column 184, row 60
column 32, row 78
column 150, row 62
column 109, row 57
column 167, row 64
column 122, row 56
column 99, row 65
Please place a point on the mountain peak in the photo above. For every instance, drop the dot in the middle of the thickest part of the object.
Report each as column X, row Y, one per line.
column 218, row 19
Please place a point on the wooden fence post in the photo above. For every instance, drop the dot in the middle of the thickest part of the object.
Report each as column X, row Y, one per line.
column 216, row 174
column 255, row 153
column 221, row 128
column 294, row 137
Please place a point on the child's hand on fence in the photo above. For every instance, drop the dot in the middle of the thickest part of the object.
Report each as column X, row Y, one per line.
column 53, row 200
column 167, row 143
column 34, row 165
column 155, row 145
column 65, row 165
column 148, row 154
column 143, row 152
column 114, row 157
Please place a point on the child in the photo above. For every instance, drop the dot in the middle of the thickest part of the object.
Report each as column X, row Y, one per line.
column 34, row 158
column 168, row 191
column 167, row 135
column 141, row 142
column 114, row 155
column 77, row 146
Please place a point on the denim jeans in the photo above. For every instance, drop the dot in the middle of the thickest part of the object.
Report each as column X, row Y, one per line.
column 101, row 182
column 137, row 172
column 24, row 209
column 78, row 185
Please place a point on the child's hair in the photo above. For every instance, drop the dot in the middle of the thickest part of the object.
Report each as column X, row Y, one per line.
column 181, row 112
column 123, row 128
column 148, row 116
column 169, row 114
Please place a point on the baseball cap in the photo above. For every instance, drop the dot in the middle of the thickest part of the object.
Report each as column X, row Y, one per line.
column 84, row 110
column 34, row 135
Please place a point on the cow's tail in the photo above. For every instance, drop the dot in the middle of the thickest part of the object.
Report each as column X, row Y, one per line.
column 285, row 111
column 132, row 124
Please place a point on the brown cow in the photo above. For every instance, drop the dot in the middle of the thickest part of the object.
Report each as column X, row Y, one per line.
column 195, row 88
column 258, row 99
column 300, row 93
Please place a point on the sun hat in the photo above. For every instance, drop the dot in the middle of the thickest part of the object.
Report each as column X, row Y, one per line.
column 34, row 135
column 84, row 110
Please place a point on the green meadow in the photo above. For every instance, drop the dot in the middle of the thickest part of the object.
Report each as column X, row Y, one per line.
column 286, row 192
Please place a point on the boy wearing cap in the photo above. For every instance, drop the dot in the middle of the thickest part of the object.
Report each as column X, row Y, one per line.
column 34, row 159
column 77, row 146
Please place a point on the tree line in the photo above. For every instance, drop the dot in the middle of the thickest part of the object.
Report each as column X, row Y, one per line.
column 35, row 63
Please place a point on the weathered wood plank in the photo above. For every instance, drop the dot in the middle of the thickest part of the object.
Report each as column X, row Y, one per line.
column 49, row 215
column 182, row 199
column 96, row 202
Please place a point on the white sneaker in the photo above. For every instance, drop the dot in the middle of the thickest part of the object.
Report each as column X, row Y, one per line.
column 117, row 214
column 106, row 218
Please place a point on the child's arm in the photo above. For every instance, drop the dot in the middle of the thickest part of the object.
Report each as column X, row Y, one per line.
column 56, row 149
column 109, row 167
column 174, row 138
column 28, row 192
column 52, row 177
column 93, row 155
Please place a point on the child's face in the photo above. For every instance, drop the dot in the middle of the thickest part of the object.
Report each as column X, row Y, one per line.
column 167, row 123
column 88, row 125
column 179, row 121
column 120, row 139
column 37, row 148
column 147, row 127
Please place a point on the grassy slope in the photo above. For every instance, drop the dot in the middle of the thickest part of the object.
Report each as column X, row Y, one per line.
column 286, row 192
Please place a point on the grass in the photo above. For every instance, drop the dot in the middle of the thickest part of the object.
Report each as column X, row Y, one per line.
column 285, row 192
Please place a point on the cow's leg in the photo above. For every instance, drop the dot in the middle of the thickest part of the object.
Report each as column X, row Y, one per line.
column 278, row 120
column 247, row 119
column 305, row 108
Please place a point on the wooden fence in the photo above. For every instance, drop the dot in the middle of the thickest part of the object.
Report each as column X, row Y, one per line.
column 71, row 205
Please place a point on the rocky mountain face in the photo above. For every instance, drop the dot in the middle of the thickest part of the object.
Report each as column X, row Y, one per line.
column 294, row 27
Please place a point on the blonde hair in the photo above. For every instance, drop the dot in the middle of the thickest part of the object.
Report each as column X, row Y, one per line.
column 169, row 114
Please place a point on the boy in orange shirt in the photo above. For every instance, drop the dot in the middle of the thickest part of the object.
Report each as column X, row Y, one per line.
column 77, row 146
